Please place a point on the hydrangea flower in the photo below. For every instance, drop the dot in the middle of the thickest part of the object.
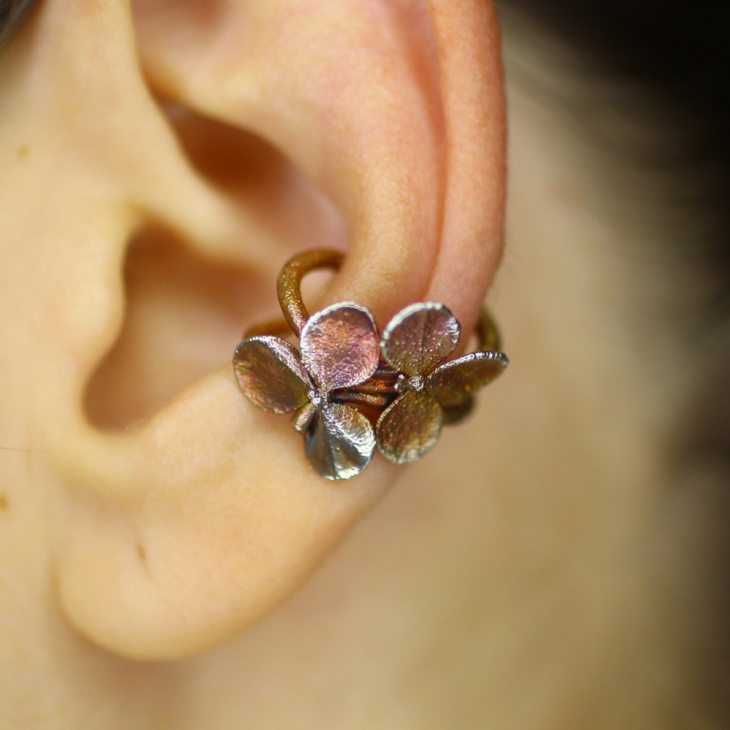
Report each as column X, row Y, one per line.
column 417, row 343
column 339, row 349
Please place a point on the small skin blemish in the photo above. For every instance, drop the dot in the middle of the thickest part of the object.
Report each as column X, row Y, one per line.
column 23, row 151
column 141, row 552
column 4, row 503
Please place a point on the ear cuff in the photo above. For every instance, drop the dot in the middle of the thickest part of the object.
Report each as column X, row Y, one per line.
column 352, row 390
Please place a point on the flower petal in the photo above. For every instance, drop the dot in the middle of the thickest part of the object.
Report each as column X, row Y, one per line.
column 340, row 346
column 420, row 337
column 271, row 374
column 341, row 444
column 453, row 415
column 409, row 427
column 454, row 381
column 302, row 419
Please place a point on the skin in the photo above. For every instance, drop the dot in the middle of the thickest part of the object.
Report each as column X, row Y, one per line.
column 167, row 558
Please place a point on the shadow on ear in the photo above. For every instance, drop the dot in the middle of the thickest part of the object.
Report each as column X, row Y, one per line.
column 185, row 307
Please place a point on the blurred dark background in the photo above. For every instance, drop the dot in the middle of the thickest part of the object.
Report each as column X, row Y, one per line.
column 679, row 52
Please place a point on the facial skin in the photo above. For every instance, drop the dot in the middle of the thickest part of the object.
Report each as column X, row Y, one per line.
column 162, row 542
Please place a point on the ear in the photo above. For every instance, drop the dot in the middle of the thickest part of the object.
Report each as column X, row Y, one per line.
column 374, row 127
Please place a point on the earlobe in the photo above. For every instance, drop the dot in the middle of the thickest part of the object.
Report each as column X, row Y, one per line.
column 183, row 531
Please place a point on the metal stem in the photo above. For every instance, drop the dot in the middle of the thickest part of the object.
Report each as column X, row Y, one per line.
column 288, row 285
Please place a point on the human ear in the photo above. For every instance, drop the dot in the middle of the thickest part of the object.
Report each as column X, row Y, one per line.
column 174, row 533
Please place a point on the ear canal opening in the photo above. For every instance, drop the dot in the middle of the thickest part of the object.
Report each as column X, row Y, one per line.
column 184, row 316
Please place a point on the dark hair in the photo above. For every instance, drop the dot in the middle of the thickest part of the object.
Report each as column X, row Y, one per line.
column 678, row 53
column 674, row 57
column 12, row 12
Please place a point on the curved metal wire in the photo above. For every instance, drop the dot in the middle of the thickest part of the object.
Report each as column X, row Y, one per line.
column 12, row 14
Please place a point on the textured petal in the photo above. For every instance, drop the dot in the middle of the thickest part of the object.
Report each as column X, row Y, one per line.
column 454, row 415
column 271, row 374
column 409, row 427
column 340, row 346
column 456, row 380
column 420, row 337
column 341, row 444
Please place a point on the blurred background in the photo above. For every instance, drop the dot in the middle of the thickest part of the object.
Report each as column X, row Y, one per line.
column 647, row 82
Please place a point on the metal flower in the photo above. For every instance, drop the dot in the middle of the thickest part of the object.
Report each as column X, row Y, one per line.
column 339, row 349
column 417, row 343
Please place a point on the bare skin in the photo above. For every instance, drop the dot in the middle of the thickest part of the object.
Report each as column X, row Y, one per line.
column 167, row 559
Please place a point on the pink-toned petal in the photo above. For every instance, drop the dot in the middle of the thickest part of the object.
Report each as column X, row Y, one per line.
column 341, row 444
column 409, row 427
column 454, row 381
column 420, row 337
column 340, row 346
column 271, row 374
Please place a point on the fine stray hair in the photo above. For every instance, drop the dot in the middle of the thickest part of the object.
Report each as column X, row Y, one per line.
column 12, row 13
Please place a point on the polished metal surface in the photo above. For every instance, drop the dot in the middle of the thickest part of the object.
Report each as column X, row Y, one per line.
column 341, row 444
column 271, row 375
column 410, row 427
column 456, row 380
column 340, row 346
column 420, row 337
column 348, row 378
column 417, row 342
column 339, row 350
column 303, row 419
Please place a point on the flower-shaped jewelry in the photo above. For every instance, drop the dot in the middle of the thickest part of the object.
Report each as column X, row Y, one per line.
column 416, row 343
column 339, row 350
column 346, row 379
